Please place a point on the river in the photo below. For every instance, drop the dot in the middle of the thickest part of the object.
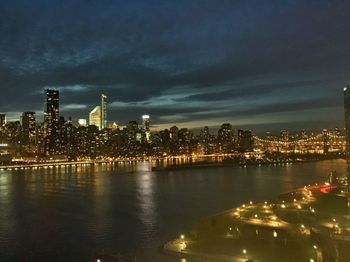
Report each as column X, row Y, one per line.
column 70, row 214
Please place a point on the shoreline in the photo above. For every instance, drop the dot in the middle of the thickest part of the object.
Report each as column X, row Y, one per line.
column 197, row 165
column 296, row 219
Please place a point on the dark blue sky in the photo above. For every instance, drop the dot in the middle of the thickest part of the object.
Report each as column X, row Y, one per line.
column 256, row 64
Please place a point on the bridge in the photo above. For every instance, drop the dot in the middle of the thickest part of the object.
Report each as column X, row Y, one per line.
column 318, row 143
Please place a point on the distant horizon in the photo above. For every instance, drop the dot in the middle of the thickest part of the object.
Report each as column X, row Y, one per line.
column 258, row 129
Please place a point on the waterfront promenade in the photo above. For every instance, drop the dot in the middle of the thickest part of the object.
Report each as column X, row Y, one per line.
column 308, row 224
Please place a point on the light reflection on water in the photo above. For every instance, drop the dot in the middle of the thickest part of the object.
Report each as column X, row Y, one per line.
column 71, row 213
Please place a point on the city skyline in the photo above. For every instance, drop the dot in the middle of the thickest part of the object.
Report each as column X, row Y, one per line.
column 98, row 117
column 188, row 64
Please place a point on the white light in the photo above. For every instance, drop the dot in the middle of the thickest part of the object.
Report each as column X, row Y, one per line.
column 274, row 234
column 244, row 251
column 182, row 236
column 315, row 247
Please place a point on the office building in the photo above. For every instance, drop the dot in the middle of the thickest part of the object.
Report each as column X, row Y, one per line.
column 82, row 122
column 347, row 128
column 51, row 119
column 145, row 126
column 103, row 111
column 145, row 122
column 28, row 128
column 2, row 120
column 95, row 117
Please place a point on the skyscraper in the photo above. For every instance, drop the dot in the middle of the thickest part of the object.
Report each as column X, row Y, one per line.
column 145, row 122
column 103, row 111
column 2, row 120
column 347, row 128
column 145, row 126
column 95, row 117
column 28, row 128
column 51, row 118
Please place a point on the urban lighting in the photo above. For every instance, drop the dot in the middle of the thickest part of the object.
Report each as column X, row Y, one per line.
column 274, row 234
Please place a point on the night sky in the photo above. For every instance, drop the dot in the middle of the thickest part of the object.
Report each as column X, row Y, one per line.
column 256, row 64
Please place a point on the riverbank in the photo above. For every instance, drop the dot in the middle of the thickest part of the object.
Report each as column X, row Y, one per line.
column 289, row 229
column 229, row 163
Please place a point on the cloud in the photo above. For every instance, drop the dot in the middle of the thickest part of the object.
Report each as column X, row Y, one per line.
column 180, row 60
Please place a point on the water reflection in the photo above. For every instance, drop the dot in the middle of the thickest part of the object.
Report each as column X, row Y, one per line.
column 146, row 203
column 71, row 213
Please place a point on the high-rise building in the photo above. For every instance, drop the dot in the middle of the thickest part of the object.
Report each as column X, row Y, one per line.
column 347, row 128
column 2, row 120
column 225, row 138
column 95, row 117
column 82, row 122
column 145, row 126
column 103, row 111
column 28, row 128
column 51, row 118
column 145, row 122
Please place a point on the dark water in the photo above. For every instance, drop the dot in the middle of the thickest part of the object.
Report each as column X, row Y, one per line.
column 67, row 214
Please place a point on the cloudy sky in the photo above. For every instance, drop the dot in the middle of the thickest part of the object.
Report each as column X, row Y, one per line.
column 256, row 64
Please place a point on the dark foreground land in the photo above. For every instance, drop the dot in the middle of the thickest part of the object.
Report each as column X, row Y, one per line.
column 309, row 224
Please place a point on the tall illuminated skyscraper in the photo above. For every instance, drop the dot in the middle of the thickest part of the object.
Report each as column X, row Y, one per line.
column 145, row 122
column 103, row 111
column 28, row 128
column 95, row 117
column 145, row 126
column 347, row 128
column 51, row 118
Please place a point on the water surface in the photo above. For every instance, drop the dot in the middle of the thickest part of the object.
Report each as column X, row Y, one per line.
column 70, row 214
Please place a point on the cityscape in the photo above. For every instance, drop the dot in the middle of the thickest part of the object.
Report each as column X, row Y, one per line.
column 174, row 131
column 62, row 139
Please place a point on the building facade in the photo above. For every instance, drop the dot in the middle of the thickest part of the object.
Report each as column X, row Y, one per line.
column 347, row 135
column 95, row 117
column 28, row 129
column 103, row 111
column 2, row 120
column 51, row 119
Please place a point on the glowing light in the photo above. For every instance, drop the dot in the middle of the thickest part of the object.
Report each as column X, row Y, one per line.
column 274, row 233
column 182, row 236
